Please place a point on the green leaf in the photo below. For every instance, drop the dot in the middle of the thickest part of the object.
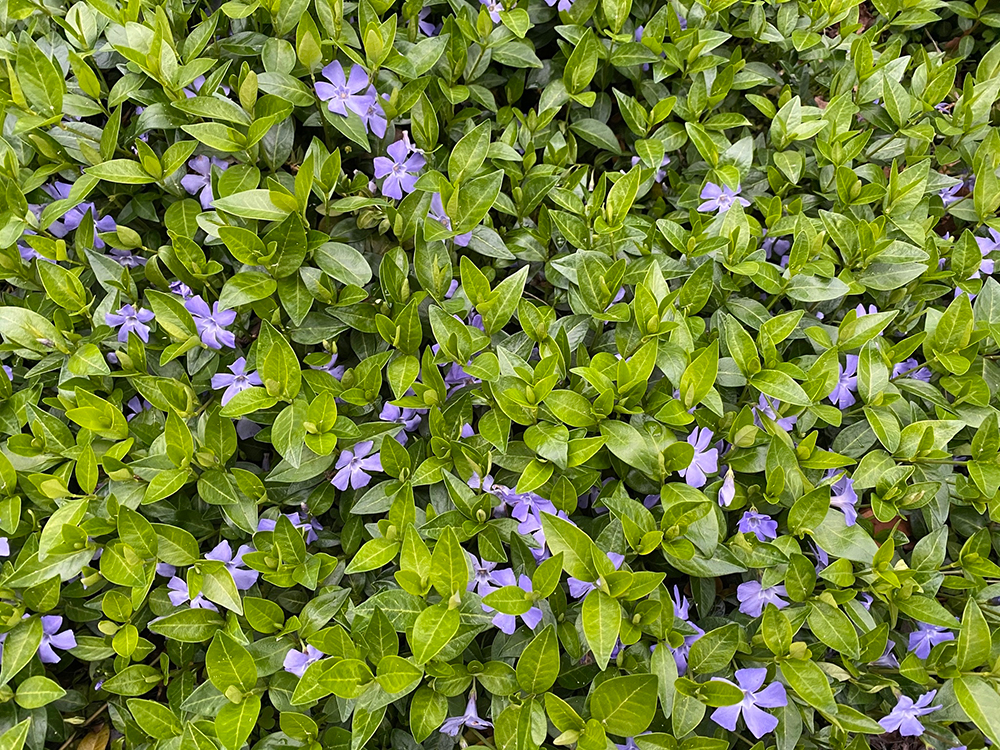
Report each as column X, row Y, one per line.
column 229, row 663
column 538, row 665
column 601, row 617
column 38, row 691
column 625, row 705
column 432, row 631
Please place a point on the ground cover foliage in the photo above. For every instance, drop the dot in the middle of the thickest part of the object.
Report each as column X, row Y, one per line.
column 514, row 374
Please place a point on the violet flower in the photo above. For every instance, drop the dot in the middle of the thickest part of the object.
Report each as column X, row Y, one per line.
column 778, row 247
column 753, row 597
column 564, row 5
column 127, row 259
column 720, row 199
column 950, row 194
column 758, row 722
column 136, row 406
column 199, row 181
column 128, row 320
column 53, row 639
column 211, row 323
column 482, row 576
column 661, row 173
column 682, row 612
column 70, row 220
column 987, row 246
column 705, row 460
column 887, row 659
column 437, row 213
column 454, row 725
column 179, row 593
column 494, row 8
column 842, row 394
column 912, row 366
column 400, row 170
column 768, row 408
column 425, row 26
column 527, row 504
column 243, row 577
column 297, row 662
column 354, row 93
column 409, row 418
column 843, row 497
column 926, row 637
column 904, row 718
column 331, row 367
column 727, row 493
column 579, row 589
column 310, row 525
column 862, row 312
column 760, row 524
column 508, row 623
column 236, row 382
column 353, row 465
column 180, row 288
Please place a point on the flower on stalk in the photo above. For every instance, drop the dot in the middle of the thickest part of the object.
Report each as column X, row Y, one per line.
column 242, row 576
column 720, row 199
column 470, row 719
column 926, row 637
column 682, row 609
column 760, row 524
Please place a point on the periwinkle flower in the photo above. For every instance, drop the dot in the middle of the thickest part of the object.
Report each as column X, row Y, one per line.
column 705, row 460
column 950, row 194
column 236, row 380
column 482, row 576
column 563, row 5
column 128, row 320
column 136, row 406
column 989, row 244
column 494, row 8
column 727, row 493
column 759, row 722
column 904, row 718
column 911, row 368
column 425, row 26
column 753, row 597
column 211, row 323
column 126, row 258
column 181, row 289
column 862, row 312
column 529, row 504
column 409, row 418
column 777, row 247
column 843, row 497
column 53, row 639
column 354, row 464
column 843, row 392
column 681, row 611
column 242, row 576
column 508, row 623
column 354, row 93
column 760, row 524
column 72, row 218
column 661, row 173
column 400, row 170
column 926, row 637
column 331, row 367
column 199, row 180
column 310, row 525
column 768, row 408
column 297, row 662
column 454, row 725
column 437, row 213
column 887, row 659
column 179, row 593
column 720, row 199
column 579, row 589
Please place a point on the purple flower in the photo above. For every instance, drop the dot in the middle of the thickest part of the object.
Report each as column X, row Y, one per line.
column 238, row 381
column 494, row 8
column 768, row 408
column 343, row 93
column 127, row 259
column 777, row 247
column 136, row 406
column 579, row 589
column 4, row 547
column 564, row 5
column 508, row 623
column 409, row 418
column 195, row 90
column 529, row 504
column 912, row 366
column 860, row 310
column 887, row 659
column 437, row 213
column 73, row 216
column 501, row 491
column 904, row 717
column 400, row 170
column 681, row 611
column 223, row 553
column 926, row 637
column 950, row 194
column 456, row 377
column 843, row 497
column 424, row 25
column 753, row 597
column 728, row 491
column 53, row 639
column 989, row 244
column 482, row 576
column 758, row 722
column 720, row 199
column 311, row 525
column 297, row 662
column 842, row 394
column 166, row 570
column 180, row 288
column 354, row 465
column 179, row 594
column 661, row 172
column 331, row 367
column 211, row 323
column 199, row 182
column 127, row 320
column 453, row 726
column 705, row 460
column 757, row 523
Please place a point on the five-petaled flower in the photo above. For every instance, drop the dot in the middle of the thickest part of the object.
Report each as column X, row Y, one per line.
column 843, row 392
column 753, row 597
column 705, row 460
column 354, row 466
column 53, row 639
column 199, row 181
column 128, row 320
column 353, row 93
column 904, row 718
column 236, row 380
column 758, row 721
column 400, row 170
column 926, row 637
column 242, row 576
column 720, row 198
column 760, row 524
column 211, row 323
column 297, row 662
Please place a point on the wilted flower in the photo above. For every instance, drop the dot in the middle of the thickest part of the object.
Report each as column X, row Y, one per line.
column 297, row 662
column 353, row 465
column 926, row 637
column 211, row 323
column 753, row 597
column 759, row 722
column 236, row 382
column 904, row 718
column 128, row 320
column 400, row 170
column 720, row 199
column 727, row 493
column 705, row 460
